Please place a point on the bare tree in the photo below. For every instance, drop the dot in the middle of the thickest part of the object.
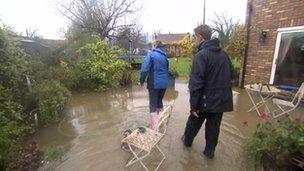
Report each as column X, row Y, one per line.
column 156, row 33
column 31, row 33
column 101, row 17
column 223, row 27
column 133, row 36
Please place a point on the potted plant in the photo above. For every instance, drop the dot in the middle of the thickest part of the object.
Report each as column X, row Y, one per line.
column 274, row 144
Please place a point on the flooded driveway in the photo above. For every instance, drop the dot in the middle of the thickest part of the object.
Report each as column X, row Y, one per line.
column 91, row 133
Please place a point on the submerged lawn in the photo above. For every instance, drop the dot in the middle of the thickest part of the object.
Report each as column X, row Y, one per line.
column 182, row 65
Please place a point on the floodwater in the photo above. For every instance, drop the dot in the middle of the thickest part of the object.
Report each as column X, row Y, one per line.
column 91, row 132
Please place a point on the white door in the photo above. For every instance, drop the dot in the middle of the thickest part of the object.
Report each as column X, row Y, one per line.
column 288, row 63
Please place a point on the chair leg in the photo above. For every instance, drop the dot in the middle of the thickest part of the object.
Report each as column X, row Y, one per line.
column 164, row 157
column 284, row 111
column 254, row 105
column 259, row 104
column 131, row 161
column 265, row 100
column 137, row 159
column 280, row 108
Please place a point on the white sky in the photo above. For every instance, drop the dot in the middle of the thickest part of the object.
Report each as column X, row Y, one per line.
column 174, row 16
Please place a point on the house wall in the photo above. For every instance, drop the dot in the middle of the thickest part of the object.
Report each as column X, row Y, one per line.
column 268, row 15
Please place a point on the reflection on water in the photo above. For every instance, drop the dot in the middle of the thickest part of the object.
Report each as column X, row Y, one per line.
column 92, row 131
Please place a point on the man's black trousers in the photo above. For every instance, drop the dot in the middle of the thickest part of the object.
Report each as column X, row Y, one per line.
column 212, row 130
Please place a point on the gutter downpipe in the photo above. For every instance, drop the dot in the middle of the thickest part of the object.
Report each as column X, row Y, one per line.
column 248, row 25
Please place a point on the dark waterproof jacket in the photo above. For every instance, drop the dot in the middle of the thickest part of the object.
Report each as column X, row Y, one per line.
column 210, row 79
column 156, row 67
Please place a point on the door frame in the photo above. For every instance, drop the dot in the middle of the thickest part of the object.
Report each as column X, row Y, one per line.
column 277, row 47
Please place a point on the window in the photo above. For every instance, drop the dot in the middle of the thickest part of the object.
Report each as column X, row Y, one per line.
column 288, row 64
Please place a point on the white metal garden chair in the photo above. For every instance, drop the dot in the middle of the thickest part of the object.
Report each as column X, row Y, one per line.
column 141, row 143
column 285, row 106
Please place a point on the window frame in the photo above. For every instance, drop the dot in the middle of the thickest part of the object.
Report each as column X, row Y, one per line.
column 277, row 47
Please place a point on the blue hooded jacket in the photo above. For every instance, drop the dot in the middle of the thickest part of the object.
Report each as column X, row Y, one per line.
column 155, row 66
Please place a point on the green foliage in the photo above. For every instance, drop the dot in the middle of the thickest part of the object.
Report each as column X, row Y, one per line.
column 67, row 51
column 11, row 65
column 278, row 142
column 10, row 130
column 13, row 124
column 173, row 71
column 236, row 45
column 8, row 146
column 127, row 78
column 99, row 68
column 31, row 84
column 50, row 97
column 65, row 73
column 36, row 70
column 235, row 48
column 181, row 65
column 119, row 51
column 52, row 153
column 17, row 101
column 81, row 51
column 135, row 76
column 187, row 47
column 74, row 40
column 236, row 63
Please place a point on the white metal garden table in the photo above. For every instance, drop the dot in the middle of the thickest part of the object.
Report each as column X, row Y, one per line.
column 263, row 92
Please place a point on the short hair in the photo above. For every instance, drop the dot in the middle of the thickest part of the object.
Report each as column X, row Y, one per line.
column 204, row 30
column 158, row 44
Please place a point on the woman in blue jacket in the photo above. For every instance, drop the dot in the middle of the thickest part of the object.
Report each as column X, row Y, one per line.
column 155, row 67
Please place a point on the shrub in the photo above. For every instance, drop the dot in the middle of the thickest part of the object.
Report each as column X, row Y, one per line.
column 186, row 45
column 99, row 68
column 65, row 74
column 173, row 71
column 236, row 63
column 10, row 134
column 180, row 65
column 127, row 78
column 12, row 68
column 50, row 97
column 236, row 45
column 13, row 125
column 120, row 51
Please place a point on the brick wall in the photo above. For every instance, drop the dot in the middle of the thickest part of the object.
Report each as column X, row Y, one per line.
column 268, row 15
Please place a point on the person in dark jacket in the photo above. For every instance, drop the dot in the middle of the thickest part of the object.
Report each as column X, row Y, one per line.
column 155, row 67
column 210, row 90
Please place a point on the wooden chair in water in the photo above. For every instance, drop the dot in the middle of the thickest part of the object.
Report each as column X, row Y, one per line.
column 143, row 140
column 288, row 106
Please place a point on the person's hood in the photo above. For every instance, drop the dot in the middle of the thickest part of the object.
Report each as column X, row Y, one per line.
column 212, row 45
column 161, row 51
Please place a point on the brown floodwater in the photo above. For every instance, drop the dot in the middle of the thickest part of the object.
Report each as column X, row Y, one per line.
column 91, row 132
